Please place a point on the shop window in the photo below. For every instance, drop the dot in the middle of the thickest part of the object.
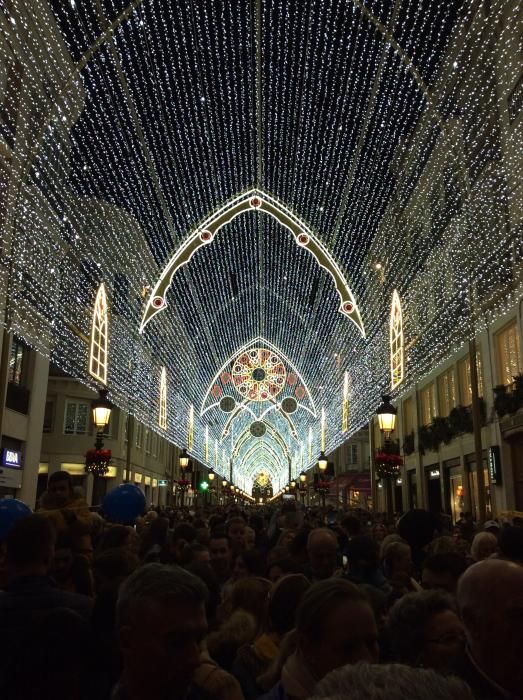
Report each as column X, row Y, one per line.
column 99, row 337
column 428, row 404
column 76, row 420
column 162, row 418
column 465, row 382
column 396, row 341
column 408, row 416
column 446, row 392
column 508, row 354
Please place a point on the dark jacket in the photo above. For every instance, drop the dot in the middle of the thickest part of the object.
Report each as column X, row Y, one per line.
column 481, row 687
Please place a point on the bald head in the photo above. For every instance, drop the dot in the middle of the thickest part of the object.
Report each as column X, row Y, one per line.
column 490, row 599
column 322, row 547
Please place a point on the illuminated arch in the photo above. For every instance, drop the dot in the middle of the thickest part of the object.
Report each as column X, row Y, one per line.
column 206, row 231
column 162, row 414
column 396, row 341
column 98, row 356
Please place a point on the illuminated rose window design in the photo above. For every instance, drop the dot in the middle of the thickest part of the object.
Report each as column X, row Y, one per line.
column 258, row 374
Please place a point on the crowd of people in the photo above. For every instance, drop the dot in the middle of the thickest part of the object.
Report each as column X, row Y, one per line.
column 270, row 602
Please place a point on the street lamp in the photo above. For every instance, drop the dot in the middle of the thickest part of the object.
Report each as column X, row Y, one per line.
column 101, row 409
column 183, row 459
column 293, row 484
column 386, row 417
column 303, row 477
column 322, row 462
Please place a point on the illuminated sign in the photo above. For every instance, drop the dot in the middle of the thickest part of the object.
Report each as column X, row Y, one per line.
column 162, row 482
column 494, row 465
column 11, row 458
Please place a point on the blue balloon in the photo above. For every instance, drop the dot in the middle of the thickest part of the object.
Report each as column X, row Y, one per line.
column 11, row 510
column 124, row 504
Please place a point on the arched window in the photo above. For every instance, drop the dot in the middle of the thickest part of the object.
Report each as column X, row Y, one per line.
column 396, row 341
column 99, row 337
column 162, row 416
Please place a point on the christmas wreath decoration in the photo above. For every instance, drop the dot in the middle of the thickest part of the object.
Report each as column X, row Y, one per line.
column 97, row 461
column 387, row 465
column 183, row 484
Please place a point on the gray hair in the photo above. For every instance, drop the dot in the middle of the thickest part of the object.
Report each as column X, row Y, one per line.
column 478, row 541
column 157, row 582
column 407, row 619
column 389, row 682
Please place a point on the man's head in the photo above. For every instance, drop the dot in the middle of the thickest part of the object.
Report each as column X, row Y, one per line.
column 160, row 622
column 322, row 548
column 490, row 600
column 30, row 546
column 220, row 554
column 442, row 571
column 60, row 489
column 335, row 626
column 236, row 533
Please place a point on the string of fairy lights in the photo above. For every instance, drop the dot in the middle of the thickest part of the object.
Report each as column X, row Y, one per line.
column 388, row 127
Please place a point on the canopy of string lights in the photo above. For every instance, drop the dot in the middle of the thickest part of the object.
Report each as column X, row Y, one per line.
column 253, row 182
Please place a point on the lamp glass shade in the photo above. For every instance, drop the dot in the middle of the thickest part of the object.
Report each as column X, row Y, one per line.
column 303, row 477
column 386, row 416
column 101, row 409
column 322, row 462
column 183, row 459
column 224, row 483
column 293, row 484
column 211, row 475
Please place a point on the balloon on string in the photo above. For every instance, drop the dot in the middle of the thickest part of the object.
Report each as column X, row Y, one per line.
column 11, row 510
column 124, row 504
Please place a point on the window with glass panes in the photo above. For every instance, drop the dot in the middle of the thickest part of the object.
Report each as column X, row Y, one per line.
column 509, row 354
column 17, row 362
column 428, row 404
column 465, row 385
column 354, row 454
column 139, row 434
column 76, row 419
column 446, row 392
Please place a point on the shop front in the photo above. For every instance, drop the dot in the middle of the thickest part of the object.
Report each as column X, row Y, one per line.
column 352, row 489
column 454, row 488
column 433, row 483
column 470, row 461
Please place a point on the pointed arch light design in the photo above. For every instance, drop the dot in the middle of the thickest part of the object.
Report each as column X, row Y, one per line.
column 345, row 404
column 162, row 415
column 396, row 341
column 98, row 350
column 257, row 201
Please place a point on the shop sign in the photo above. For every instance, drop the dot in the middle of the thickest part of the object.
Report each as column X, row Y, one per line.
column 434, row 473
column 162, row 482
column 11, row 458
column 494, row 465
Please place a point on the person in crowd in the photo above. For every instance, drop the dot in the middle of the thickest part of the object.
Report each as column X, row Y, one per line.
column 483, row 546
column 154, row 540
column 242, row 616
column 511, row 543
column 363, row 565
column 281, row 566
column 389, row 682
column 235, row 529
column 182, row 537
column 197, row 552
column 220, row 555
column 335, row 626
column 424, row 629
column 298, row 550
column 250, row 538
column 68, row 512
column 31, row 593
column 490, row 601
column 322, row 550
column 378, row 532
column 70, row 571
column 119, row 536
column 443, row 571
column 492, row 526
column 249, row 563
column 253, row 660
column 397, row 567
column 160, row 624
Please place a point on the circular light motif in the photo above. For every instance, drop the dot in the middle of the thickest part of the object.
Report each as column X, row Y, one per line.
column 303, row 238
column 227, row 404
column 289, row 405
column 299, row 392
column 258, row 428
column 255, row 202
column 216, row 391
column 158, row 302
column 348, row 307
column 291, row 379
column 258, row 374
column 206, row 236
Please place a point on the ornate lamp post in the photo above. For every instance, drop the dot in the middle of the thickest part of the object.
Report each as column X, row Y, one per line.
column 211, row 476
column 183, row 462
column 97, row 460
column 387, row 462
column 303, row 487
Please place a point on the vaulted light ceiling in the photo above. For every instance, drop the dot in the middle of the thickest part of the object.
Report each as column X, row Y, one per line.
column 141, row 120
